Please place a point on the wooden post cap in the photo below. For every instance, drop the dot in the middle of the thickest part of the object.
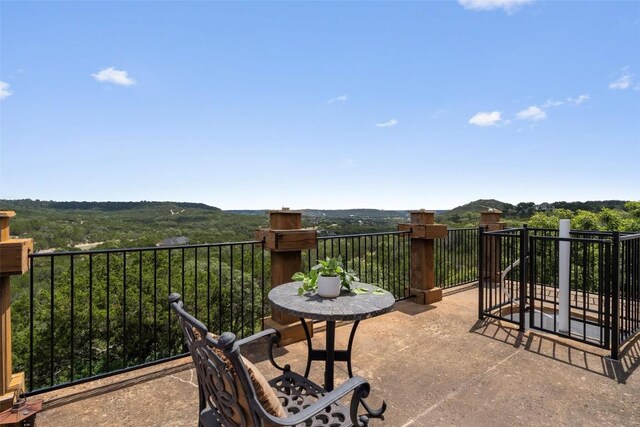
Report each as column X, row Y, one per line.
column 285, row 219
column 423, row 225
column 5, row 216
column 423, row 216
column 491, row 219
column 491, row 216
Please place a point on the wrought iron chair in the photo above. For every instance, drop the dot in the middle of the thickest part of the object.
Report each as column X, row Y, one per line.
column 231, row 393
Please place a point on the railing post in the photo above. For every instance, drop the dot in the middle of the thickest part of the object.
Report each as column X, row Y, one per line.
column 615, row 295
column 285, row 239
column 490, row 220
column 14, row 259
column 423, row 232
column 524, row 236
column 481, row 272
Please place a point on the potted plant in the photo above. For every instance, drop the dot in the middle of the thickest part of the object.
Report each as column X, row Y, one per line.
column 328, row 277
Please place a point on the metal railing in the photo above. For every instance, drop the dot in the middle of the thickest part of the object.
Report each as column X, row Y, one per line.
column 383, row 259
column 456, row 257
column 520, row 283
column 84, row 315
column 628, row 286
column 95, row 313
column 589, row 287
column 501, row 266
column 88, row 314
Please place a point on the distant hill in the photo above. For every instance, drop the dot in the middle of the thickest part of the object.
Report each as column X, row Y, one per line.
column 482, row 205
column 82, row 225
column 100, row 206
column 508, row 208
column 124, row 224
column 469, row 214
column 592, row 206
column 335, row 213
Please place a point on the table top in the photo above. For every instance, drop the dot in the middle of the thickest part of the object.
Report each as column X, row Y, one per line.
column 347, row 306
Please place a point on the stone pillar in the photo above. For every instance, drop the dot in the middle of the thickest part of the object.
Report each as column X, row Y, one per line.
column 285, row 240
column 13, row 260
column 423, row 233
column 490, row 220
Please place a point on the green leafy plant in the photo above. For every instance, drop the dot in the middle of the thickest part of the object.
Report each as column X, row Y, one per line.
column 330, row 267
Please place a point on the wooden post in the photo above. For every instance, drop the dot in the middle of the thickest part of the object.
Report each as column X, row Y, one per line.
column 13, row 260
column 490, row 220
column 423, row 233
column 286, row 239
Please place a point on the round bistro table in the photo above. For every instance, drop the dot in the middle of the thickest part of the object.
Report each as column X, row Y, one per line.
column 350, row 306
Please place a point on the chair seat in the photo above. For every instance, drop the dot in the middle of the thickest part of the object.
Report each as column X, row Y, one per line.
column 297, row 392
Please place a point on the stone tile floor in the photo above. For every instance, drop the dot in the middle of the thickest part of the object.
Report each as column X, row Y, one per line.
column 434, row 365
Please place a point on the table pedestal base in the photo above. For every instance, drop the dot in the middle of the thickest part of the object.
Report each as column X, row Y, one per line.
column 330, row 355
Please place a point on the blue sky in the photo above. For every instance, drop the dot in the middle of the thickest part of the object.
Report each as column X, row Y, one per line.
column 345, row 104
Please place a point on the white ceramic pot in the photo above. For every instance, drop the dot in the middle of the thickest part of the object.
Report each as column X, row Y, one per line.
column 329, row 287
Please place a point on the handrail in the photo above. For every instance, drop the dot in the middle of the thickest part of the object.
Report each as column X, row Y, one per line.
column 570, row 239
column 629, row 237
column 503, row 275
column 382, row 233
column 140, row 249
column 504, row 232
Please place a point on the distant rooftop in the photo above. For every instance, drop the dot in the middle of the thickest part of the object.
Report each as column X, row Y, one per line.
column 174, row 241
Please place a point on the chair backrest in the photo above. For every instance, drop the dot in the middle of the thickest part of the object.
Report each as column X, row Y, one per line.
column 223, row 380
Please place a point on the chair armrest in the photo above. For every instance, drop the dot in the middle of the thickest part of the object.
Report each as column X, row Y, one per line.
column 356, row 384
column 257, row 336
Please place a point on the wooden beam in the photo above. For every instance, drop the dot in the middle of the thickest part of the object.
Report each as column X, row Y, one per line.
column 288, row 240
column 14, row 256
column 13, row 260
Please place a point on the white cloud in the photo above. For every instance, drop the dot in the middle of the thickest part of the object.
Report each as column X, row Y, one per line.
column 625, row 81
column 622, row 83
column 4, row 90
column 569, row 100
column 486, row 119
column 111, row 75
column 341, row 98
column 506, row 5
column 552, row 103
column 533, row 113
column 388, row 124
column 579, row 100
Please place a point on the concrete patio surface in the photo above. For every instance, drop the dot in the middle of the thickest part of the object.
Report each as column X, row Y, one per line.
column 434, row 365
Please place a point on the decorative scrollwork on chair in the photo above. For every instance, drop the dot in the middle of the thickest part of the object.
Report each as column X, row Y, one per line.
column 232, row 393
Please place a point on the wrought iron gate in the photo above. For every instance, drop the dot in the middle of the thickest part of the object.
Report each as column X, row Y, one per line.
column 519, row 283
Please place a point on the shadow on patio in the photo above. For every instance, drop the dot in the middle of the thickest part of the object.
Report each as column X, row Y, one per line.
column 564, row 351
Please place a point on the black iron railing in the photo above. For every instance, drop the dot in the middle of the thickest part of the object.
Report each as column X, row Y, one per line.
column 95, row 313
column 499, row 261
column 88, row 314
column 589, row 287
column 628, row 286
column 456, row 257
column 380, row 258
column 520, row 283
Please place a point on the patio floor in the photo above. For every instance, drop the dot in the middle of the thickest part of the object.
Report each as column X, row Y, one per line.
column 434, row 365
